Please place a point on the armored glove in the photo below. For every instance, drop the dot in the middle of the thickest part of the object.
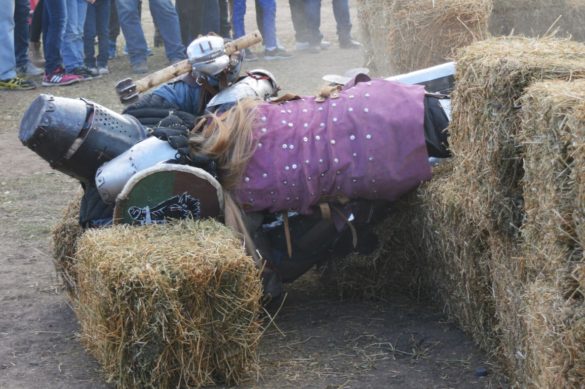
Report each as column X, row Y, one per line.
column 150, row 109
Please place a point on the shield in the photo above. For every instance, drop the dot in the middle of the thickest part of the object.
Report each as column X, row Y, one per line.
column 168, row 191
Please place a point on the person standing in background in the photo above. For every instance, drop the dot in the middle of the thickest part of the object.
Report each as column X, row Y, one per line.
column 97, row 24
column 8, row 78
column 24, row 66
column 72, row 48
column 53, row 23
column 36, row 30
column 268, row 9
column 165, row 17
column 312, row 16
column 198, row 18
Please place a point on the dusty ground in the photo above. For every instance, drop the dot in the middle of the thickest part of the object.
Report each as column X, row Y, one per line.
column 320, row 342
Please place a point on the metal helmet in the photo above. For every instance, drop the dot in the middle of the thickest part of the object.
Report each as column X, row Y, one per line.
column 207, row 55
column 258, row 83
column 76, row 136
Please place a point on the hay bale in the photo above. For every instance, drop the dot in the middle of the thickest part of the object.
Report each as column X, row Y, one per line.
column 394, row 266
column 64, row 243
column 168, row 305
column 405, row 35
column 491, row 76
column 553, row 137
column 538, row 17
column 555, row 356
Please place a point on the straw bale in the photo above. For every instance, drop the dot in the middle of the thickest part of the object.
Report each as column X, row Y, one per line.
column 65, row 234
column 555, row 355
column 172, row 305
column 405, row 35
column 554, row 140
column 491, row 76
column 538, row 18
column 395, row 265
column 458, row 260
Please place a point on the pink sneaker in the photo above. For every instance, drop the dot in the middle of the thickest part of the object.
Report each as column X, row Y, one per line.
column 58, row 77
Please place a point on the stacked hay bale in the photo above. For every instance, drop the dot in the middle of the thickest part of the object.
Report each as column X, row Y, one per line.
column 168, row 305
column 553, row 134
column 503, row 226
column 64, row 238
column 405, row 35
column 538, row 17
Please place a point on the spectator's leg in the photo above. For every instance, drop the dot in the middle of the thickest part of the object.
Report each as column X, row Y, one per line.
column 313, row 20
column 102, row 23
column 54, row 18
column 35, row 36
column 165, row 17
column 297, row 13
column 269, row 23
column 89, row 33
column 259, row 16
column 72, row 49
column 131, row 25
column 342, row 18
column 186, row 17
column 21, row 32
column 224, row 19
column 7, row 60
column 239, row 11
column 211, row 18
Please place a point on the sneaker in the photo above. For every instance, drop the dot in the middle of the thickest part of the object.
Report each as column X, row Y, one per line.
column 29, row 70
column 94, row 71
column 250, row 56
column 17, row 83
column 349, row 44
column 58, row 78
column 300, row 46
column 84, row 73
column 325, row 44
column 140, row 68
column 276, row 54
column 103, row 70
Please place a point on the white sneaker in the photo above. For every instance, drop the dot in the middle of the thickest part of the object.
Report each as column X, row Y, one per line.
column 103, row 70
column 29, row 70
column 325, row 44
column 94, row 71
column 300, row 46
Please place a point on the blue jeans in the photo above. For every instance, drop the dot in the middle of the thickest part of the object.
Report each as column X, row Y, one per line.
column 7, row 61
column 97, row 24
column 21, row 31
column 297, row 13
column 54, row 18
column 313, row 19
column 268, row 9
column 165, row 17
column 72, row 49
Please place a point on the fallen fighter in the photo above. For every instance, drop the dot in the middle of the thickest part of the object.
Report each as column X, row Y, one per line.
column 305, row 178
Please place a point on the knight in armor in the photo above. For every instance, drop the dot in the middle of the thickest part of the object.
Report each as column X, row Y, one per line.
column 303, row 179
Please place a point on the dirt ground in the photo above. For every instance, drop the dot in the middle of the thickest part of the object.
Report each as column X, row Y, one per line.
column 318, row 341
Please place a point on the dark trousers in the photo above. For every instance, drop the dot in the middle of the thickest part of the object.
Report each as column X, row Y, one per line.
column 54, row 18
column 36, row 23
column 21, row 31
column 97, row 23
column 198, row 18
column 313, row 20
column 297, row 14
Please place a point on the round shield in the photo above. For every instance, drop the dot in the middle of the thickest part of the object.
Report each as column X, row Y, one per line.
column 168, row 191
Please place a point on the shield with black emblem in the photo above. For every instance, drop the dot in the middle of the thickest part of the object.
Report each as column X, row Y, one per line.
column 168, row 191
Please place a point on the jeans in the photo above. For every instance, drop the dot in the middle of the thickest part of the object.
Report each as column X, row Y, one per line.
column 21, row 32
column 198, row 17
column 165, row 17
column 72, row 49
column 268, row 9
column 97, row 23
column 313, row 18
column 7, row 61
column 54, row 18
column 297, row 14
